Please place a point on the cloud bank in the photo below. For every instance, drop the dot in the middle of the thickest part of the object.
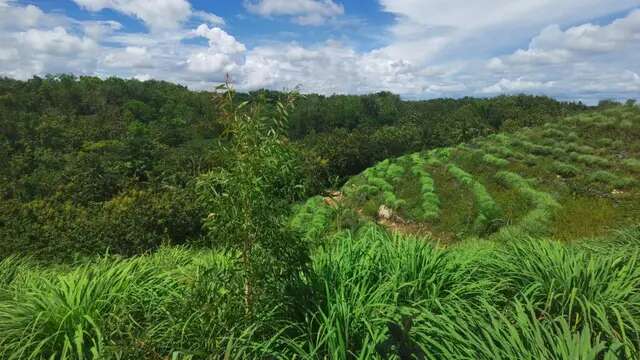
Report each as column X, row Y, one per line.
column 433, row 48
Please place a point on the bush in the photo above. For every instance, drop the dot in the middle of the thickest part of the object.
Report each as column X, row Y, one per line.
column 133, row 222
column 583, row 149
column 551, row 132
column 501, row 150
column 380, row 184
column 535, row 149
column 395, row 172
column 430, row 206
column 312, row 219
column 495, row 161
column 392, row 201
column 632, row 164
column 608, row 178
column 565, row 170
column 591, row 160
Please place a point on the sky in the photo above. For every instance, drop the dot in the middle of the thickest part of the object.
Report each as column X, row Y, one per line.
column 569, row 49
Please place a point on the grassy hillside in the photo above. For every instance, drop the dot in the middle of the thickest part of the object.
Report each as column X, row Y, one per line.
column 574, row 178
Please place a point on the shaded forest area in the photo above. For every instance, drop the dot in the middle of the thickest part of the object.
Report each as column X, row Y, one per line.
column 92, row 166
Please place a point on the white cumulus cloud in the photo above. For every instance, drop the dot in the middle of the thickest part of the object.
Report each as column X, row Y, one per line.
column 303, row 12
column 158, row 15
column 129, row 57
column 224, row 55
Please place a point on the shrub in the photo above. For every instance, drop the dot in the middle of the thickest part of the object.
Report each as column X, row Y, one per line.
column 418, row 162
column 591, row 160
column 395, row 172
column 604, row 142
column 430, row 201
column 426, row 183
column 632, row 164
column 382, row 166
column 380, row 184
column 565, row 170
column 443, row 154
column 392, row 201
column 535, row 149
column 368, row 190
column 430, row 207
column 572, row 136
column 501, row 138
column 574, row 147
column 312, row 219
column 503, row 151
column 530, row 160
column 558, row 152
column 370, row 208
column 517, row 142
column 494, row 160
column 551, row 132
column 606, row 177
column 626, row 124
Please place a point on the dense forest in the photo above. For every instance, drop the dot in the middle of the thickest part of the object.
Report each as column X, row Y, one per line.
column 91, row 166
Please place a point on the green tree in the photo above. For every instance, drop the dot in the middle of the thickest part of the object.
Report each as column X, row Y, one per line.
column 249, row 199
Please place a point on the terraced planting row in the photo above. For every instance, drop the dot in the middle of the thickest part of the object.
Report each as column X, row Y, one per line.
column 569, row 159
column 376, row 183
column 488, row 212
column 538, row 220
column 430, row 209
column 514, row 183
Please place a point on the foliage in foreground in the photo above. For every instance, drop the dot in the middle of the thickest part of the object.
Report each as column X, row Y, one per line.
column 366, row 293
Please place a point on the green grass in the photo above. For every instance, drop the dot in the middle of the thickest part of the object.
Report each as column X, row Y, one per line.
column 586, row 217
column 377, row 187
column 526, row 298
column 394, row 172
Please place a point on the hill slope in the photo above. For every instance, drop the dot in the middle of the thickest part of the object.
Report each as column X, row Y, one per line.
column 574, row 178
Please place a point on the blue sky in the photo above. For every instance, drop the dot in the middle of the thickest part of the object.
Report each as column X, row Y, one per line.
column 570, row 49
